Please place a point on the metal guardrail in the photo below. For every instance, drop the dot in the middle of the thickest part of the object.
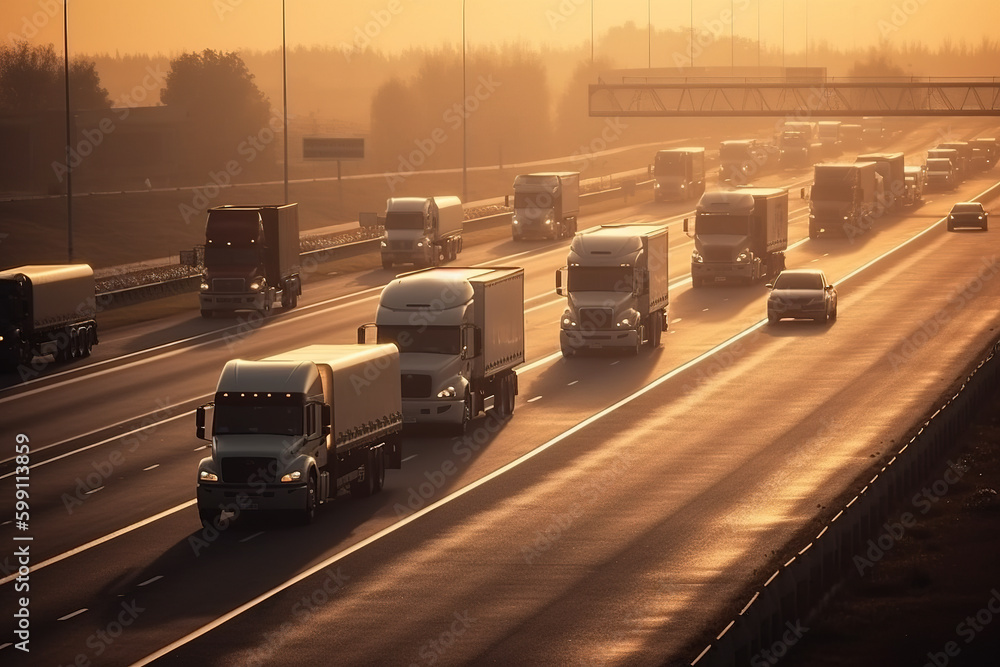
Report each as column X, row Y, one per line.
column 313, row 258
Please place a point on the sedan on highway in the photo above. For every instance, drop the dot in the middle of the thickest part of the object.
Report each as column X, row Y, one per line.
column 968, row 214
column 803, row 294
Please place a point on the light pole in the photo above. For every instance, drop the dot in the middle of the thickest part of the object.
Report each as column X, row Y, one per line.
column 649, row 34
column 465, row 122
column 692, row 34
column 591, row 33
column 69, row 138
column 284, row 96
column 732, row 36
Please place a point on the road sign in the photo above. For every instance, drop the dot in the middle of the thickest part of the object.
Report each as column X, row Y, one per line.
column 333, row 148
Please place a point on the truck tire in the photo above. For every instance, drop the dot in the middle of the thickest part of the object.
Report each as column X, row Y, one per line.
column 378, row 480
column 697, row 283
column 308, row 513
column 365, row 487
column 74, row 343
column 209, row 516
column 466, row 413
column 567, row 352
column 655, row 329
column 88, row 341
column 386, row 263
column 207, row 314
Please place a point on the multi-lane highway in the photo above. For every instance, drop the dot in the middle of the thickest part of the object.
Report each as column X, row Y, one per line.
column 623, row 505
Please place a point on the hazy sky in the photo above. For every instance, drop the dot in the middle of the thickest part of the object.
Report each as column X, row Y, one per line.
column 175, row 26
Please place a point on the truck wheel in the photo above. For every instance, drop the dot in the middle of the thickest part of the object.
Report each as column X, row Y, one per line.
column 656, row 330
column 378, row 480
column 74, row 344
column 209, row 516
column 87, row 343
column 386, row 263
column 466, row 413
column 634, row 351
column 309, row 511
column 567, row 352
column 207, row 314
column 266, row 310
column 697, row 283
column 365, row 487
column 511, row 393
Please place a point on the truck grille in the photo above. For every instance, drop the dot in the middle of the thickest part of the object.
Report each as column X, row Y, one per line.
column 400, row 245
column 596, row 318
column 249, row 470
column 228, row 285
column 717, row 255
column 415, row 386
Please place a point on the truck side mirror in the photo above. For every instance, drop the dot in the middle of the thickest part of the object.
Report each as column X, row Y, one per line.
column 559, row 282
column 802, row 193
column 199, row 422
column 685, row 228
column 469, row 348
column 506, row 201
column 326, row 413
column 363, row 333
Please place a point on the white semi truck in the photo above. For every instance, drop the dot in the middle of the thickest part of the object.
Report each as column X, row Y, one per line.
column 546, row 205
column 46, row 309
column 289, row 432
column 615, row 281
column 739, row 236
column 425, row 231
column 460, row 333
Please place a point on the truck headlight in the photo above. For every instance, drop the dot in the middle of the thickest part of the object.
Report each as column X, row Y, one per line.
column 203, row 287
column 207, row 476
column 420, row 244
column 656, row 186
column 291, row 476
column 447, row 393
column 548, row 221
column 696, row 257
column 383, row 244
column 255, row 285
column 568, row 323
column 743, row 257
column 682, row 186
column 514, row 220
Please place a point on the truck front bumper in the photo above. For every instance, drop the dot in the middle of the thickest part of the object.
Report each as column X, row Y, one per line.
column 419, row 256
column 217, row 302
column 579, row 339
column 240, row 497
column 720, row 273
column 431, row 411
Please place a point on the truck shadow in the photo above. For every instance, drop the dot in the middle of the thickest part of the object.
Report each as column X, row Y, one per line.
column 717, row 302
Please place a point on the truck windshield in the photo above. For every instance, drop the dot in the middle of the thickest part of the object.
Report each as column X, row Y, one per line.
column 721, row 223
column 832, row 192
column 223, row 255
column 734, row 152
column 409, row 220
column 11, row 306
column 600, row 279
column 434, row 340
column 668, row 163
column 538, row 201
column 245, row 418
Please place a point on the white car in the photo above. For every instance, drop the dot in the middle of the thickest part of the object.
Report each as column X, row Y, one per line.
column 801, row 293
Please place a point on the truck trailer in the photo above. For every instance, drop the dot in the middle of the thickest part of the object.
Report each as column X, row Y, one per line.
column 915, row 177
column 963, row 166
column 679, row 174
column 546, row 205
column 843, row 197
column 739, row 236
column 984, row 153
column 425, row 231
column 291, row 431
column 890, row 167
column 460, row 334
column 251, row 259
column 616, row 285
column 46, row 309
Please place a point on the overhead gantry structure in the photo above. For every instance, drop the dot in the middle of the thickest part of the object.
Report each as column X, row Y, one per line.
column 831, row 98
